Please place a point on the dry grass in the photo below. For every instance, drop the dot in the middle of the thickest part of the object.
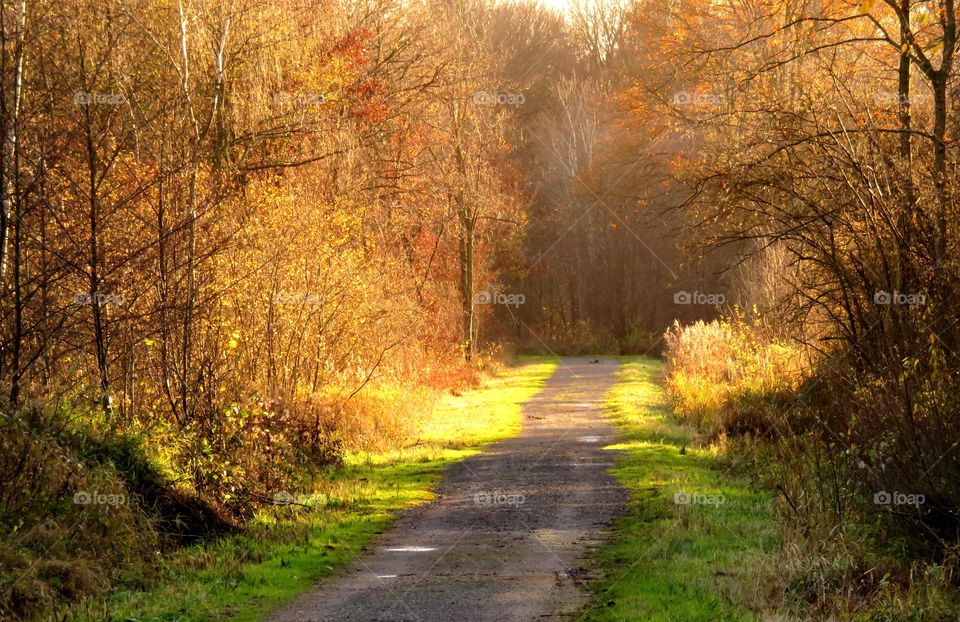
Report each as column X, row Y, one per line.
column 726, row 377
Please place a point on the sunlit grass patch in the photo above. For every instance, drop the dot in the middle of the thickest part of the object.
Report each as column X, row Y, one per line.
column 693, row 532
column 481, row 416
column 287, row 548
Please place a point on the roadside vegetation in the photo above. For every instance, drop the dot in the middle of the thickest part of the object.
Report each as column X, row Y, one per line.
column 859, row 540
column 698, row 533
column 296, row 536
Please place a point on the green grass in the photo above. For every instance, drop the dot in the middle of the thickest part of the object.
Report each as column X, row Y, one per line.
column 285, row 550
column 670, row 561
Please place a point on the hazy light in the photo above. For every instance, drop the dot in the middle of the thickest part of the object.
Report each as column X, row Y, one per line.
column 558, row 6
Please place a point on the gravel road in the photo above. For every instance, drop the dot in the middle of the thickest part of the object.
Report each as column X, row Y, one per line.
column 505, row 538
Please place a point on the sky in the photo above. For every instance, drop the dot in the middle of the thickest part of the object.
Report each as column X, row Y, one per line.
column 560, row 6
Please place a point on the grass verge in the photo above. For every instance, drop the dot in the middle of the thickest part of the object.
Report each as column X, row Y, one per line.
column 689, row 557
column 286, row 549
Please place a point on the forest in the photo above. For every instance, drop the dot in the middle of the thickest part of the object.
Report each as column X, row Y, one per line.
column 272, row 270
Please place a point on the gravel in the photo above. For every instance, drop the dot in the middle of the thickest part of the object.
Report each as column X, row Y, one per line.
column 506, row 536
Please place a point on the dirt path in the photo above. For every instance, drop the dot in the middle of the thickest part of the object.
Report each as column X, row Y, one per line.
column 503, row 540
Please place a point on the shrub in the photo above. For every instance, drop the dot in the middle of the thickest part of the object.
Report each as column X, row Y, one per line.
column 725, row 377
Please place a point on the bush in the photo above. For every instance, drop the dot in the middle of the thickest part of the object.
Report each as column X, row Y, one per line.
column 725, row 377
column 241, row 456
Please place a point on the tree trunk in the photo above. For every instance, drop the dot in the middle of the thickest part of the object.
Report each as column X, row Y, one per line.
column 467, row 232
column 98, row 310
column 11, row 119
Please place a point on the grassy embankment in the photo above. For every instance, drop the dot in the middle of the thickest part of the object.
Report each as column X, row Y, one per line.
column 287, row 548
column 670, row 560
